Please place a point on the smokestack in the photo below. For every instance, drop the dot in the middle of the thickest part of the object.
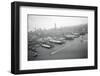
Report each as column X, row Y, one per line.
column 55, row 26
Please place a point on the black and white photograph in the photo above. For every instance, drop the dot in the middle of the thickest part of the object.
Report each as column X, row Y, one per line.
column 52, row 37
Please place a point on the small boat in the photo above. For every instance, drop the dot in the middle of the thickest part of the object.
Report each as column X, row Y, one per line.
column 46, row 46
column 69, row 37
column 56, row 41
column 33, row 53
column 76, row 35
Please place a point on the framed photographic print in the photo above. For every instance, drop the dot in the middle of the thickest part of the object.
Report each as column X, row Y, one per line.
column 52, row 37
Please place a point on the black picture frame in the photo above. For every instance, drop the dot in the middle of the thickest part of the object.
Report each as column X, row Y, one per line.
column 15, row 37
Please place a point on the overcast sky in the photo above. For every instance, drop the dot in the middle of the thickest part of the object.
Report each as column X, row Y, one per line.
column 48, row 22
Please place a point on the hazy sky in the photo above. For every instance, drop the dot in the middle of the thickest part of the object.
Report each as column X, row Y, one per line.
column 48, row 22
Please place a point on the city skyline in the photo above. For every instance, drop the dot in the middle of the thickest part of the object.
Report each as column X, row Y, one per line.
column 49, row 22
